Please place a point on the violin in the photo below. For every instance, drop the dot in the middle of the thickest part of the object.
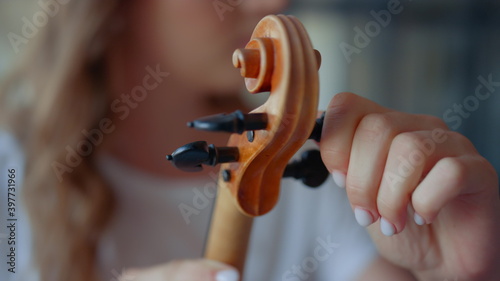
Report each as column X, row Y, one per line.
column 279, row 58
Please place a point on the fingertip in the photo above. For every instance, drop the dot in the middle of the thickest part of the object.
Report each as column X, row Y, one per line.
column 419, row 220
column 339, row 178
column 363, row 217
column 129, row 274
column 224, row 272
column 227, row 275
column 387, row 228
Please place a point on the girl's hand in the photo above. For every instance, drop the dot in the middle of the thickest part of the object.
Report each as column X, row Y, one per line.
column 184, row 270
column 430, row 201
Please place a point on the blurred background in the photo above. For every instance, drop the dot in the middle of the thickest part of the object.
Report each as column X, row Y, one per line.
column 426, row 58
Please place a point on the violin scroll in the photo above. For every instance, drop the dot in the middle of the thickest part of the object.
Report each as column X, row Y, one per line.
column 279, row 58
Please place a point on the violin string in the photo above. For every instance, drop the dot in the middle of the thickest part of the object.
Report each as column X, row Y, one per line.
column 207, row 231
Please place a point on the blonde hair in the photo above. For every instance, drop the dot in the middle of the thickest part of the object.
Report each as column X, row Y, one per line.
column 54, row 93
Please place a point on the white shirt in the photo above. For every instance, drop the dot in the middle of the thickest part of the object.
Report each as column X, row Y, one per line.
column 310, row 235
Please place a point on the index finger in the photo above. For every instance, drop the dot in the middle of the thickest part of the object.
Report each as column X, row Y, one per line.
column 342, row 117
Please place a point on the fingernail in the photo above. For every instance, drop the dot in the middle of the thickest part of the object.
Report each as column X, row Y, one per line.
column 418, row 219
column 227, row 275
column 363, row 217
column 386, row 227
column 339, row 178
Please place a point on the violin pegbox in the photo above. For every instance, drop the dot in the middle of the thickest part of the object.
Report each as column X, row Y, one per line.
column 280, row 59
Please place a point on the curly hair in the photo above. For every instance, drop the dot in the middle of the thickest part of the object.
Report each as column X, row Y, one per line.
column 55, row 90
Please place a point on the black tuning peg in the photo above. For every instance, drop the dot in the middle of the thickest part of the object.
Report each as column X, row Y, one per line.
column 310, row 169
column 191, row 156
column 236, row 122
column 318, row 128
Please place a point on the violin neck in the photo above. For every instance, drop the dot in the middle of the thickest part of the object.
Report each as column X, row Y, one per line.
column 229, row 232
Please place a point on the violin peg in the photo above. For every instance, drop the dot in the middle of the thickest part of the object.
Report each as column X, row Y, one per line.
column 190, row 157
column 317, row 54
column 236, row 122
column 318, row 128
column 256, row 64
column 310, row 169
column 248, row 61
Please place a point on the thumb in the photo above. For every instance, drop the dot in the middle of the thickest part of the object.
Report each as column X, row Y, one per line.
column 184, row 270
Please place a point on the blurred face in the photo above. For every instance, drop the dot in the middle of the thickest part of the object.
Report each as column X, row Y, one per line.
column 194, row 39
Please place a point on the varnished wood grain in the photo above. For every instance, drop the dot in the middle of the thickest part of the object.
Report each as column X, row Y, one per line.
column 278, row 58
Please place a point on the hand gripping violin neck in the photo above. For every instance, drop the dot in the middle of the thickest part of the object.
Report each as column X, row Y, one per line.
column 279, row 58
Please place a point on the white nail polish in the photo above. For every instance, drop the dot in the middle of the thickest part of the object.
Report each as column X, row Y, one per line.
column 418, row 219
column 363, row 217
column 227, row 275
column 339, row 178
column 386, row 227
